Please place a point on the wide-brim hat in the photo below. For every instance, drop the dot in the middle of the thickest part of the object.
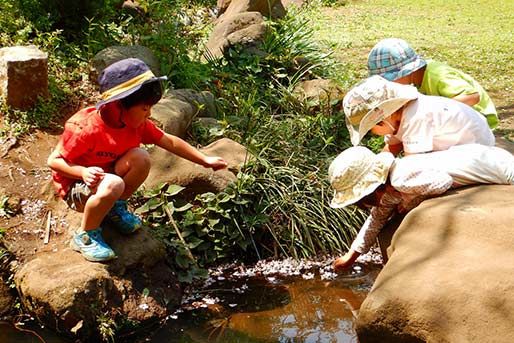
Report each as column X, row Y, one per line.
column 357, row 172
column 393, row 58
column 372, row 101
column 123, row 78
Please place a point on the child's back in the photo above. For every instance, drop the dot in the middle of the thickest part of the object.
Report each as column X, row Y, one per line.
column 443, row 80
column 434, row 123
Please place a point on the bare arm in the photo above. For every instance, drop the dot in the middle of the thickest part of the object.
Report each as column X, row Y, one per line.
column 90, row 175
column 183, row 149
column 468, row 99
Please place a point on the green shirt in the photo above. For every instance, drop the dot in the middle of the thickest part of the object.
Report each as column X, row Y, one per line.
column 443, row 80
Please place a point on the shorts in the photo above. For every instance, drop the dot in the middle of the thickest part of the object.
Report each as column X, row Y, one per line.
column 77, row 195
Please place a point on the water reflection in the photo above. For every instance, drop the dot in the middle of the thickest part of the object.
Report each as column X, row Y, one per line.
column 255, row 310
column 27, row 334
column 280, row 310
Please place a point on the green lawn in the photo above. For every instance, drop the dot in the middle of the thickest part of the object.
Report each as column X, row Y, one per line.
column 474, row 36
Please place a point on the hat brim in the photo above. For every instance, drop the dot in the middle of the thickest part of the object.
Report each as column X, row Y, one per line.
column 378, row 113
column 129, row 91
column 417, row 63
column 367, row 185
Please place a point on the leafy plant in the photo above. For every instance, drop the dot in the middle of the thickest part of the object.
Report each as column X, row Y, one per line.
column 212, row 229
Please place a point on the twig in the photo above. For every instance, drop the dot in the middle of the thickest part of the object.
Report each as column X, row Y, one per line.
column 48, row 225
column 17, row 327
column 179, row 234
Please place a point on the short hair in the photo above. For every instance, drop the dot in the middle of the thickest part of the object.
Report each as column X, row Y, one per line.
column 149, row 94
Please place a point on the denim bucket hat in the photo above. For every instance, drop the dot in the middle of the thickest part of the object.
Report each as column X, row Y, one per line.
column 357, row 172
column 371, row 101
column 123, row 78
column 393, row 58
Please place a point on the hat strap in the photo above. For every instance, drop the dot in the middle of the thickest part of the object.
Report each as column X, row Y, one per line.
column 125, row 86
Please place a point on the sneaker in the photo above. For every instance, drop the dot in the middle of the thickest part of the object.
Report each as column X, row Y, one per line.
column 92, row 246
column 122, row 219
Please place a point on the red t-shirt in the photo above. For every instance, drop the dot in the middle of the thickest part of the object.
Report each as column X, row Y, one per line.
column 88, row 141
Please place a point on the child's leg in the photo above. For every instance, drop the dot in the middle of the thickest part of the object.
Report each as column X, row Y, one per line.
column 98, row 205
column 90, row 242
column 133, row 167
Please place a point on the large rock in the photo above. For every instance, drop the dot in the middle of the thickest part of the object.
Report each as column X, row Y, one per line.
column 268, row 8
column 449, row 275
column 113, row 54
column 23, row 76
column 245, row 28
column 70, row 294
column 197, row 179
column 318, row 93
column 178, row 108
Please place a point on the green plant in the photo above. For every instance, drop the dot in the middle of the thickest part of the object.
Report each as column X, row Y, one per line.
column 106, row 327
column 212, row 229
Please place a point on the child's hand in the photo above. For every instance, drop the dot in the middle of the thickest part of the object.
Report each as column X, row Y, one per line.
column 346, row 261
column 215, row 162
column 92, row 176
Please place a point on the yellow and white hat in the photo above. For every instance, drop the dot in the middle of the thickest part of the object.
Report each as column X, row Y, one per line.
column 357, row 172
column 371, row 101
column 123, row 78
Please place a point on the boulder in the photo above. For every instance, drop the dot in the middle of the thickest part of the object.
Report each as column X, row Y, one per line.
column 222, row 6
column 23, row 76
column 318, row 93
column 297, row 3
column 251, row 25
column 449, row 275
column 71, row 295
column 112, row 54
column 178, row 108
column 268, row 8
column 197, row 179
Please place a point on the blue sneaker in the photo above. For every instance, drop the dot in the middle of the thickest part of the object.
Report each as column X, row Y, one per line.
column 124, row 221
column 92, row 246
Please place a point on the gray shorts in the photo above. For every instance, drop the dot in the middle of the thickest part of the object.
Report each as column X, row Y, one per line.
column 77, row 196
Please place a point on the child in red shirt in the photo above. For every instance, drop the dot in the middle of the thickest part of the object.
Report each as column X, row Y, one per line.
column 98, row 162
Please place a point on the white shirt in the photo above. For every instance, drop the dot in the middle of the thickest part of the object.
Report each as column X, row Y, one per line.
column 434, row 123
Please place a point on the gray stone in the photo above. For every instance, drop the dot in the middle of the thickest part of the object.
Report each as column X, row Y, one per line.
column 23, row 76
column 273, row 8
column 204, row 101
column 228, row 25
column 177, row 109
column 113, row 54
column 318, row 93
column 449, row 275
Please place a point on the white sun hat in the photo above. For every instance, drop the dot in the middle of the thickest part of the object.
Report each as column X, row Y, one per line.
column 371, row 101
column 357, row 172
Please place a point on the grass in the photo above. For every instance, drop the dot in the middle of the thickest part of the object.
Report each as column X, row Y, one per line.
column 475, row 37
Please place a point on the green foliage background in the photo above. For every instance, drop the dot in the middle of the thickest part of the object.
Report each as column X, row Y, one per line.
column 279, row 204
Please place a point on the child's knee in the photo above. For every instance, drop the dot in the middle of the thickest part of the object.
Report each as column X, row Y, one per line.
column 134, row 159
column 111, row 186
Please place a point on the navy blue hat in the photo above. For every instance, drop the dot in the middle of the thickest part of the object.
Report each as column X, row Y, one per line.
column 123, row 78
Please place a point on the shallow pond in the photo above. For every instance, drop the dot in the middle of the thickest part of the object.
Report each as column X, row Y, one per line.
column 256, row 308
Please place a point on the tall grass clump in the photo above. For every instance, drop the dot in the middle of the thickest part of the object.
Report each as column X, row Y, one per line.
column 292, row 143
